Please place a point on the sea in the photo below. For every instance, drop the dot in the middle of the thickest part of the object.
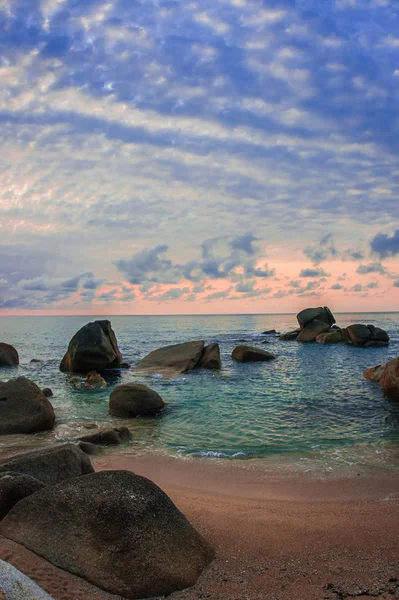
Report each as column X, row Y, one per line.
column 308, row 411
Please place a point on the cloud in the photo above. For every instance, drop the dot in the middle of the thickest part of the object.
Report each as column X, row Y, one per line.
column 385, row 245
column 371, row 268
column 313, row 273
column 148, row 265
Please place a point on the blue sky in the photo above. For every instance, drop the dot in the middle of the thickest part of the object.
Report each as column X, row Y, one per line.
column 224, row 156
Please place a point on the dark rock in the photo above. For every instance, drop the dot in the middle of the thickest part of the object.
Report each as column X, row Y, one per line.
column 321, row 313
column 14, row 585
column 376, row 344
column 251, row 354
column 311, row 331
column 210, row 358
column 51, row 465
column 108, row 437
column 265, row 342
column 134, row 399
column 289, row 335
column 23, row 407
column 91, row 426
column 8, row 355
column 47, row 392
column 387, row 376
column 337, row 336
column 125, row 365
column 269, row 332
column 171, row 361
column 366, row 335
column 90, row 449
column 115, row 529
column 35, row 360
column 15, row 486
column 92, row 348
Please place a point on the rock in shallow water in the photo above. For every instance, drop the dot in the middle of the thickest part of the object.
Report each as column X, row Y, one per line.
column 108, row 437
column 321, row 313
column 311, row 331
column 171, row 361
column 17, row 586
column 387, row 376
column 133, row 400
column 251, row 354
column 23, row 407
column 8, row 355
column 115, row 529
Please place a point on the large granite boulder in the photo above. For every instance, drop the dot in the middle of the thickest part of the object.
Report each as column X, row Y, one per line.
column 251, row 354
column 23, row 407
column 51, row 465
column 117, row 530
column 387, row 376
column 311, row 331
column 210, row 358
column 171, row 361
column 367, row 335
column 8, row 355
column 289, row 335
column 133, row 400
column 336, row 336
column 321, row 313
column 15, row 486
column 108, row 437
column 92, row 348
column 14, row 585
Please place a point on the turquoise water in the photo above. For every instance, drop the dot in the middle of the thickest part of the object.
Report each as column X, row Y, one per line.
column 310, row 406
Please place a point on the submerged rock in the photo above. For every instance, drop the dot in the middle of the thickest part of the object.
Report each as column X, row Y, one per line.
column 321, row 313
column 311, row 331
column 92, row 348
column 117, row 530
column 14, row 585
column 8, row 355
column 171, row 361
column 108, row 437
column 15, row 486
column 251, row 354
column 23, row 407
column 51, row 465
column 210, row 358
column 133, row 400
column 387, row 376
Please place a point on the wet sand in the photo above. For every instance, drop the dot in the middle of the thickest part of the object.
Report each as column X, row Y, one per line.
column 277, row 537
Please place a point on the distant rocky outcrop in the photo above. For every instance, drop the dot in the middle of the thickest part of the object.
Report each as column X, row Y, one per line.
column 23, row 407
column 14, row 585
column 133, row 400
column 115, row 529
column 311, row 331
column 15, row 486
column 93, row 348
column 387, row 376
column 289, row 335
column 171, row 361
column 322, row 313
column 251, row 354
column 108, row 437
column 334, row 336
column 50, row 466
column 367, row 335
column 8, row 355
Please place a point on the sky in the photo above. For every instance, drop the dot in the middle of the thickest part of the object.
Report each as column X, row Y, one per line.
column 214, row 156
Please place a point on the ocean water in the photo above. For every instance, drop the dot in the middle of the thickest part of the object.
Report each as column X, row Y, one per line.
column 309, row 410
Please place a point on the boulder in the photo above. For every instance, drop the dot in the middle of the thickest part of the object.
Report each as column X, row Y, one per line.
column 108, row 437
column 289, row 335
column 366, row 335
column 133, row 400
column 8, row 355
column 269, row 332
column 90, row 449
column 115, row 529
column 14, row 585
column 23, row 407
column 387, row 376
column 210, row 358
column 35, row 360
column 93, row 380
column 15, row 486
column 47, row 392
column 337, row 336
column 251, row 354
column 171, row 361
column 92, row 348
column 311, row 331
column 51, row 465
column 322, row 313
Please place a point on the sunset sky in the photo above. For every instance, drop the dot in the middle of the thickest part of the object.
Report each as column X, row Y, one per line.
column 215, row 156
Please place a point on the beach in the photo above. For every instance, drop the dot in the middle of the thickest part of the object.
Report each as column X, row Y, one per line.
column 291, row 537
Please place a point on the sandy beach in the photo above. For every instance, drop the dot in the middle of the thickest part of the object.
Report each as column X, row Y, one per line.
column 277, row 537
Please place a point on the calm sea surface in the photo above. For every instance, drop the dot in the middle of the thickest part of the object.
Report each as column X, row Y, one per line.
column 309, row 410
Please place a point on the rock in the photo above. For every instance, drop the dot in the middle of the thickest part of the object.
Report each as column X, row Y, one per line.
column 35, row 360
column 265, row 342
column 125, row 365
column 14, row 585
column 251, row 354
column 108, row 437
column 115, row 529
column 91, row 426
column 47, row 392
column 94, row 380
column 387, row 376
column 51, row 465
column 269, row 332
column 366, row 335
column 338, row 336
column 322, row 313
column 289, row 335
column 210, row 358
column 8, row 355
column 92, row 348
column 171, row 361
column 376, row 344
column 15, row 486
column 134, row 399
column 23, row 407
column 90, row 449
column 311, row 331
